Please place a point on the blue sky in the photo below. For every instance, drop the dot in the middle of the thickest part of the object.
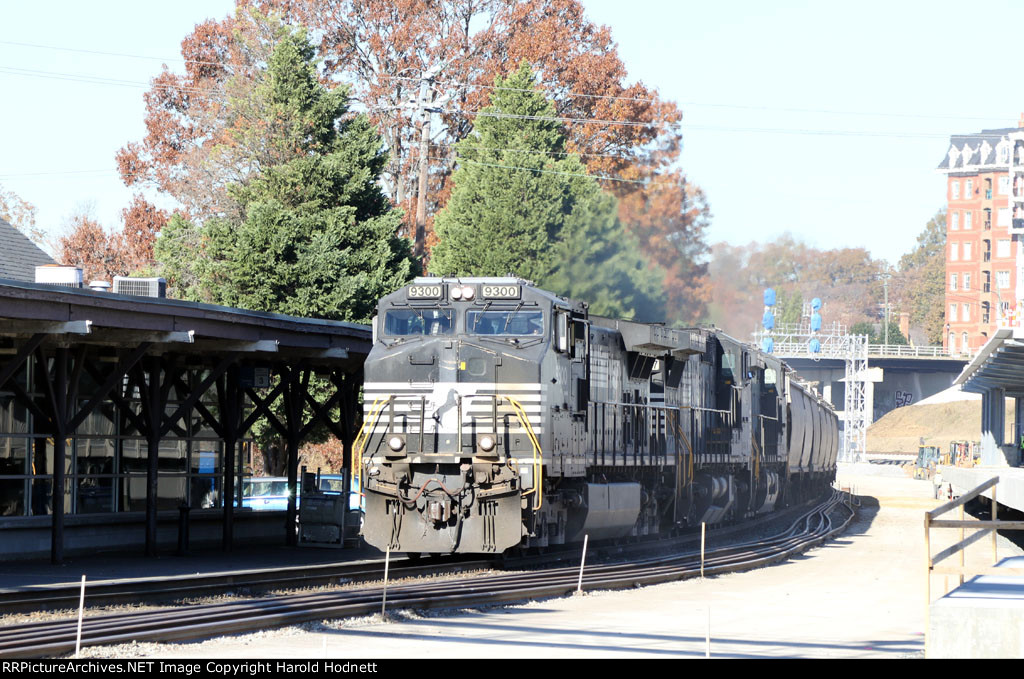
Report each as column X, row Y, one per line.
column 822, row 119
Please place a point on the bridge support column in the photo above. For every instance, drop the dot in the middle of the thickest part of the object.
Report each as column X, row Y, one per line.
column 993, row 431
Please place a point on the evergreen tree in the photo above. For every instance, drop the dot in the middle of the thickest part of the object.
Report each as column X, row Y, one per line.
column 313, row 234
column 521, row 205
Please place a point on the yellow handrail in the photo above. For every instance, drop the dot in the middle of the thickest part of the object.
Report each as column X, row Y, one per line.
column 357, row 451
column 537, row 456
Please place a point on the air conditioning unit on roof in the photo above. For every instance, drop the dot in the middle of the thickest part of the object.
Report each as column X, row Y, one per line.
column 140, row 287
column 62, row 276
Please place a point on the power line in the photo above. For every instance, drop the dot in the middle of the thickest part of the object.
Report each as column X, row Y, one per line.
column 536, row 152
column 57, row 172
column 699, row 104
column 582, row 95
column 109, row 54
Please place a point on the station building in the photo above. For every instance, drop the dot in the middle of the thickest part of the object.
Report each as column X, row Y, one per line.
column 118, row 411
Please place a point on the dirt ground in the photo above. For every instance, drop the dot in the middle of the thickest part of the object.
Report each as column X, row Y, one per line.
column 859, row 596
column 901, row 430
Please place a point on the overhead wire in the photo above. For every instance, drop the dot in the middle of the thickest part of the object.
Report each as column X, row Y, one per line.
column 453, row 83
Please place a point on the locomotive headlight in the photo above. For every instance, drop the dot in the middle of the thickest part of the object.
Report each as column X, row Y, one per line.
column 455, row 292
column 396, row 443
column 487, row 443
column 468, row 293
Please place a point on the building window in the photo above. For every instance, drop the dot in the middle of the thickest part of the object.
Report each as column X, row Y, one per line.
column 1003, row 248
column 955, row 191
column 954, row 252
column 963, row 343
column 967, row 281
column 1002, row 279
column 969, row 189
column 952, row 281
column 952, row 343
column 984, row 312
column 967, row 253
column 967, row 220
column 967, row 313
column 1003, row 217
column 1004, row 310
column 952, row 313
column 1004, row 185
column 954, row 223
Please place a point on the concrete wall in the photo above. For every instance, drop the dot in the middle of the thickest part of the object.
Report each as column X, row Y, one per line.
column 29, row 537
column 898, row 387
column 982, row 618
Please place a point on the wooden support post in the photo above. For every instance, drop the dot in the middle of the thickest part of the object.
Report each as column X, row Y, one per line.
column 58, row 393
column 153, row 411
column 293, row 401
column 228, row 394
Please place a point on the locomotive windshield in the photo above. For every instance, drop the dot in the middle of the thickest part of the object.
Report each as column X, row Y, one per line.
column 518, row 323
column 402, row 322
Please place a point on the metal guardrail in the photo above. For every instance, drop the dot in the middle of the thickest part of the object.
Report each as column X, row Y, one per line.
column 907, row 351
column 983, row 528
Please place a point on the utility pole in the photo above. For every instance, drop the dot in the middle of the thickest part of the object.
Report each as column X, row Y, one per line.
column 426, row 93
column 426, row 105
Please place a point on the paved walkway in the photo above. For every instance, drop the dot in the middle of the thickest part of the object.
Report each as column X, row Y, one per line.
column 860, row 596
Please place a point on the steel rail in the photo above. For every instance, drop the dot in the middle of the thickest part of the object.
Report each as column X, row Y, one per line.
column 41, row 639
column 102, row 592
column 169, row 589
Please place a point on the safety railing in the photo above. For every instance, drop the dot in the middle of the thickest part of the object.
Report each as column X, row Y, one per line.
column 907, row 351
column 983, row 528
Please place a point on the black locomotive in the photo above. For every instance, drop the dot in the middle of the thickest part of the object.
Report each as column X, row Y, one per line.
column 498, row 414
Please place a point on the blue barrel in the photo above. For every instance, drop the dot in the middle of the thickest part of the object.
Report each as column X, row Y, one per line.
column 816, row 304
column 767, row 345
column 815, row 322
column 814, row 345
column 769, row 297
column 768, row 320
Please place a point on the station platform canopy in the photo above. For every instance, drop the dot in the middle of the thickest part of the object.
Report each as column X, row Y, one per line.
column 118, row 410
column 996, row 373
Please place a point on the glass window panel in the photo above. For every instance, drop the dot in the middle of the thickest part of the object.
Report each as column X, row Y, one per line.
column 505, row 323
column 12, row 497
column 95, row 495
column 133, row 493
column 94, row 456
column 133, row 455
column 13, row 415
column 173, row 455
column 100, row 421
column 170, row 491
column 41, row 497
column 13, row 455
column 205, row 492
column 419, row 322
column 206, row 457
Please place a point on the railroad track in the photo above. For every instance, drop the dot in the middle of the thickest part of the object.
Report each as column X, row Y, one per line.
column 184, row 587
column 44, row 639
column 187, row 588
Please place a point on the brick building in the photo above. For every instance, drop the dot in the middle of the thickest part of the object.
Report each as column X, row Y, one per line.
column 983, row 281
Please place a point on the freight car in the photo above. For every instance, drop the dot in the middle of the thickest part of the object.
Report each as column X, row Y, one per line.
column 498, row 414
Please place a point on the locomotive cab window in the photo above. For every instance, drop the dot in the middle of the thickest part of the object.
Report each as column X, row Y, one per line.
column 513, row 323
column 404, row 322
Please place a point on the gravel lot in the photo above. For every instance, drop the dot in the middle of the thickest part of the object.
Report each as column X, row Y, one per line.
column 860, row 596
